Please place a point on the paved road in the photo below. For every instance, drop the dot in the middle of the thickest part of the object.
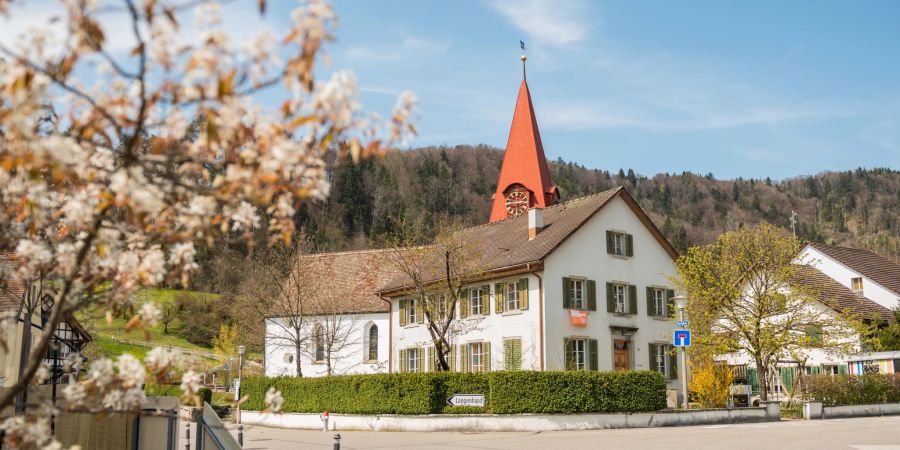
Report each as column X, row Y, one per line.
column 876, row 433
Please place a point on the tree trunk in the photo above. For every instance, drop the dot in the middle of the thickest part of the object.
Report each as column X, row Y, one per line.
column 297, row 349
column 763, row 381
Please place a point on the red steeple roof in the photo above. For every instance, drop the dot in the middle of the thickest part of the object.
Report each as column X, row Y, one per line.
column 524, row 163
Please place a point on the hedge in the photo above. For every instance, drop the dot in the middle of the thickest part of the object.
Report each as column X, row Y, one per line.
column 427, row 393
column 174, row 390
column 834, row 390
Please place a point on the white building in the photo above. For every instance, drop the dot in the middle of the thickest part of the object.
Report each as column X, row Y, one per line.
column 850, row 282
column 599, row 256
column 345, row 323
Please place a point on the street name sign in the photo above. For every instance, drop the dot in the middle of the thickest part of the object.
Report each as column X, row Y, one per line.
column 682, row 338
column 682, row 323
column 476, row 400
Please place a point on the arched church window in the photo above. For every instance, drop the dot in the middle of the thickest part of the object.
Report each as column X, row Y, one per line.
column 373, row 343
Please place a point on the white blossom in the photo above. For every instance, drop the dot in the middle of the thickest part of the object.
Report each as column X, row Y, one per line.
column 274, row 400
column 190, row 383
column 150, row 314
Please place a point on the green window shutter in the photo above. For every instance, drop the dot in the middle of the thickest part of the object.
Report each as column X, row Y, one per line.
column 452, row 356
column 523, row 294
column 753, row 379
column 673, row 363
column 632, row 299
column 464, row 358
column 486, row 300
column 486, row 354
column 670, row 303
column 432, row 359
column 651, row 303
column 787, row 377
column 507, row 354
column 567, row 292
column 569, row 354
column 592, row 295
column 610, row 298
column 498, row 297
column 609, row 242
column 403, row 307
column 517, row 354
column 629, row 245
column 403, row 361
column 651, row 349
column 842, row 369
column 464, row 304
column 420, row 311
column 592, row 352
column 420, row 367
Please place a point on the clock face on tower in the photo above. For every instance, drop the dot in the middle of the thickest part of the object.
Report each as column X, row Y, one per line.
column 516, row 203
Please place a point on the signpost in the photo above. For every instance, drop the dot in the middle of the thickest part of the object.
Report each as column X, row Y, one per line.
column 476, row 400
column 681, row 338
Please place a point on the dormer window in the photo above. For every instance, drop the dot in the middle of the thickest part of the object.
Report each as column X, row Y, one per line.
column 857, row 284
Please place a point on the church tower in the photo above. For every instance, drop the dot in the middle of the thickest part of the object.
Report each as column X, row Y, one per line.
column 524, row 177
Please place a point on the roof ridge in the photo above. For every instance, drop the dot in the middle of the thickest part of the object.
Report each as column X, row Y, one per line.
column 349, row 252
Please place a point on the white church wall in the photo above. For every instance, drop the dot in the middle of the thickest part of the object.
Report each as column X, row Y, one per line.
column 351, row 359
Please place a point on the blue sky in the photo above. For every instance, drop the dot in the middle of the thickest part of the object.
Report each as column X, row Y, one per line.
column 749, row 89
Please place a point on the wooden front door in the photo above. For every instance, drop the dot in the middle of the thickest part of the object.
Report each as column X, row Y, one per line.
column 621, row 355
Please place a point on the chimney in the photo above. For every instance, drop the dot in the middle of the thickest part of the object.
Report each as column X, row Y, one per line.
column 535, row 222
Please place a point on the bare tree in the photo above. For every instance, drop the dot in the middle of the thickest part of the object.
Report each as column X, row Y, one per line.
column 332, row 334
column 435, row 276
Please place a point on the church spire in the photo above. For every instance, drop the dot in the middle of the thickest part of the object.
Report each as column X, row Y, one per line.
column 524, row 177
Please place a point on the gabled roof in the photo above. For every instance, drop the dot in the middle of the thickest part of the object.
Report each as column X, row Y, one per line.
column 840, row 298
column 524, row 161
column 877, row 268
column 11, row 286
column 504, row 245
column 345, row 282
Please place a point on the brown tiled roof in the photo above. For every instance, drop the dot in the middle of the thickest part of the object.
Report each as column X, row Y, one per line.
column 840, row 298
column 11, row 287
column 879, row 269
column 505, row 245
column 345, row 282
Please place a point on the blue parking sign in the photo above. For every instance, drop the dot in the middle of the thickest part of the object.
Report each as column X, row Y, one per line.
column 681, row 338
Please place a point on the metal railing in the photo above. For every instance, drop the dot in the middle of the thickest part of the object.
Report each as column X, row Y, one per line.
column 211, row 432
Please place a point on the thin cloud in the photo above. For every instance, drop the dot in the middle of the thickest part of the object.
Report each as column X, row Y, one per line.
column 550, row 21
column 411, row 49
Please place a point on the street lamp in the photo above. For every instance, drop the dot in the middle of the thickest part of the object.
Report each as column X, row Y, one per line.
column 237, row 392
column 680, row 303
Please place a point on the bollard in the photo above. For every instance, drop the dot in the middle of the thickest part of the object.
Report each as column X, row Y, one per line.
column 337, row 441
column 241, row 435
column 187, row 437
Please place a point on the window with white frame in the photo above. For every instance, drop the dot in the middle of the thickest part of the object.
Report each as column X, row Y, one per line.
column 476, row 357
column 579, row 300
column 577, row 354
column 662, row 359
column 476, row 301
column 412, row 359
column 618, row 242
column 659, row 302
column 512, row 296
column 440, row 306
column 411, row 312
column 619, row 292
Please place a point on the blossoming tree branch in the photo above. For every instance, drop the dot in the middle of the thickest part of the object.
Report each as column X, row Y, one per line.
column 113, row 164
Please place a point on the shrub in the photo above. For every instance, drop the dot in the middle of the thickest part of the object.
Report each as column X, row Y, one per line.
column 427, row 393
column 711, row 383
column 174, row 390
column 576, row 392
column 834, row 390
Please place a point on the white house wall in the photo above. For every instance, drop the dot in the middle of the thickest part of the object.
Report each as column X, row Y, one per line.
column 350, row 360
column 493, row 328
column 584, row 255
column 843, row 274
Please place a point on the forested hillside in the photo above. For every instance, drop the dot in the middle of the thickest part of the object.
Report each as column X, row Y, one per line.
column 857, row 207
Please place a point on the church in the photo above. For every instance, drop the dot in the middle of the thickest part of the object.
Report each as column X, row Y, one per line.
column 565, row 284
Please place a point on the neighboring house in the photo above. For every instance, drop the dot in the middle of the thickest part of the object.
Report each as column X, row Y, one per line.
column 342, row 312
column 876, row 362
column 17, row 297
column 849, row 282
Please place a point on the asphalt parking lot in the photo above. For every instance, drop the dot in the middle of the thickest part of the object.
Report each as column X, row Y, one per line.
column 873, row 433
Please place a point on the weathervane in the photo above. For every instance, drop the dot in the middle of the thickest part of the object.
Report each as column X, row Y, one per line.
column 522, row 45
